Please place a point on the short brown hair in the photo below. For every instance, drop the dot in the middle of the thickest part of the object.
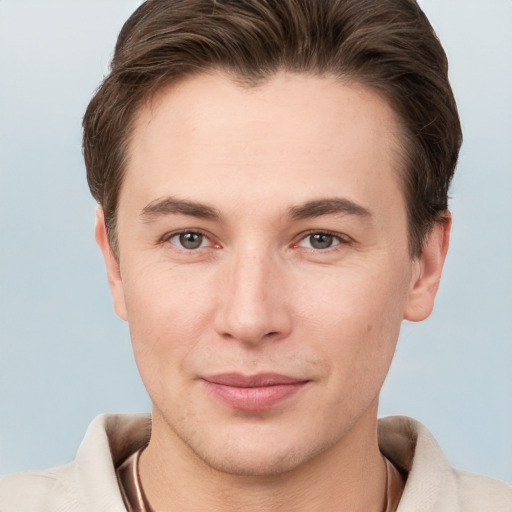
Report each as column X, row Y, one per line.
column 388, row 45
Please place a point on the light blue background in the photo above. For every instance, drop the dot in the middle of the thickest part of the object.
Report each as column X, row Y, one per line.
column 65, row 357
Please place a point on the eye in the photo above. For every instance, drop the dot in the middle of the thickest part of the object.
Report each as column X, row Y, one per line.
column 320, row 241
column 189, row 240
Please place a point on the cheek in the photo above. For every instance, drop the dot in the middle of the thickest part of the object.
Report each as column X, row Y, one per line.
column 165, row 301
column 367, row 300
column 167, row 317
column 354, row 319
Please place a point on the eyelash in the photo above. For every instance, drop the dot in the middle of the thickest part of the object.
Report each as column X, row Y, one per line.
column 340, row 239
column 169, row 236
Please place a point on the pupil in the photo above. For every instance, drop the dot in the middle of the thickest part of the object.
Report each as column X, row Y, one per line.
column 191, row 240
column 321, row 241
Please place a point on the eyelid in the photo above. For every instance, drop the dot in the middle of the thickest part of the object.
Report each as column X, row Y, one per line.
column 341, row 237
column 171, row 234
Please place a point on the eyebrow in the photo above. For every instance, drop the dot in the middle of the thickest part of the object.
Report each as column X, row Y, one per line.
column 172, row 206
column 332, row 206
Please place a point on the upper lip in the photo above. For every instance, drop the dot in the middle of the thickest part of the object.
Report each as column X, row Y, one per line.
column 252, row 381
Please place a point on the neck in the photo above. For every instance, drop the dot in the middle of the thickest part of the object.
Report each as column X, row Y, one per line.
column 350, row 475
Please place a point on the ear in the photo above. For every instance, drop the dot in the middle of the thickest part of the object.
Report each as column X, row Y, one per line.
column 427, row 274
column 111, row 263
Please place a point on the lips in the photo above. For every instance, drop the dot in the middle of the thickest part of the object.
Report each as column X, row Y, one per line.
column 253, row 392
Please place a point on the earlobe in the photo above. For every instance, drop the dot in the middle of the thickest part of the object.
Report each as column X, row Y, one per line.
column 428, row 269
column 111, row 263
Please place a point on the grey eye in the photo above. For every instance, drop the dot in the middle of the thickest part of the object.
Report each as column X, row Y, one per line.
column 191, row 240
column 321, row 240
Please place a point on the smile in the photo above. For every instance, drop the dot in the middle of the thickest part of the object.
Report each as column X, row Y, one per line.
column 253, row 392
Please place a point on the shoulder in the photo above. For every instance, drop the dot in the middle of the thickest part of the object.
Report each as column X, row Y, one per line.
column 433, row 485
column 477, row 493
column 43, row 490
column 89, row 483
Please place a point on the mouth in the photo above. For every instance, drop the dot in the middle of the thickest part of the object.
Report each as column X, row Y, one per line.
column 253, row 392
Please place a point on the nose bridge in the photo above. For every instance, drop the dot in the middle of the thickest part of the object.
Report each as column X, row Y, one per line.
column 252, row 306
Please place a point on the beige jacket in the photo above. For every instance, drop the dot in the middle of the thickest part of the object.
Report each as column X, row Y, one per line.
column 89, row 483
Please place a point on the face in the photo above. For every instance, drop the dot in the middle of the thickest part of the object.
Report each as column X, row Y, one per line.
column 264, row 266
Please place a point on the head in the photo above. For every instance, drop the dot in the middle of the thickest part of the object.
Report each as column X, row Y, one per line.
column 272, row 181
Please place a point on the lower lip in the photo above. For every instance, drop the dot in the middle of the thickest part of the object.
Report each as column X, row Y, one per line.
column 254, row 398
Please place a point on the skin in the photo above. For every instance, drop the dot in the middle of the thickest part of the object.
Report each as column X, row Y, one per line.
column 259, row 294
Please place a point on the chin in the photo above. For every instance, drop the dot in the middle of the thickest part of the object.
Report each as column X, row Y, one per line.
column 251, row 462
column 260, row 450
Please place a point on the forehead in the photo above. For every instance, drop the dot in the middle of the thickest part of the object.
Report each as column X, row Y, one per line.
column 299, row 133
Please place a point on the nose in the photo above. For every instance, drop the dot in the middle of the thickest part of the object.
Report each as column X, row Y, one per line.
column 253, row 306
